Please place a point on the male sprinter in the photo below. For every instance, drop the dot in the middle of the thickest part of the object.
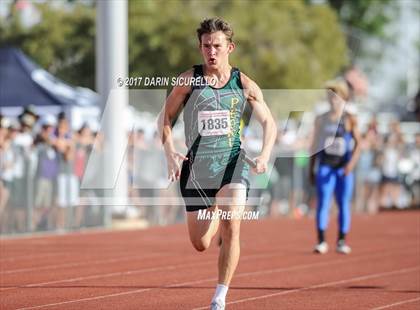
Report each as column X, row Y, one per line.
column 337, row 136
column 214, row 174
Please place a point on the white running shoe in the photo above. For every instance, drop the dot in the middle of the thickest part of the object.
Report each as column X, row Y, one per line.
column 321, row 248
column 343, row 248
column 216, row 305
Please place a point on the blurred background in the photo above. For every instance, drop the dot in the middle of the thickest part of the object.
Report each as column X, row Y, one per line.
column 53, row 136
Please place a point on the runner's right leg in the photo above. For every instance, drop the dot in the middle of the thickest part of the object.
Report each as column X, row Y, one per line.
column 325, row 184
column 202, row 231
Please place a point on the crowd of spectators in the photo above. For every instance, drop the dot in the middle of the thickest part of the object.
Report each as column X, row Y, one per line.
column 387, row 174
column 43, row 163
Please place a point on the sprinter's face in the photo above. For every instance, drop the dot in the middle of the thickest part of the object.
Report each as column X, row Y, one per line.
column 215, row 49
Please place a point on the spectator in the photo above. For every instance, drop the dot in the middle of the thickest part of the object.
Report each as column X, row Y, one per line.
column 46, row 175
column 22, row 142
column 368, row 171
column 415, row 175
column 283, row 191
column 67, row 185
column 6, row 170
column 391, row 154
column 149, row 172
column 83, row 148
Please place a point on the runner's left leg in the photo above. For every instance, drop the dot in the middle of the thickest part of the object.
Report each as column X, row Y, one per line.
column 230, row 198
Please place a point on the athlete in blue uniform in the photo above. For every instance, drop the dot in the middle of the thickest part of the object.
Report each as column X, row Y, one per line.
column 214, row 175
column 336, row 145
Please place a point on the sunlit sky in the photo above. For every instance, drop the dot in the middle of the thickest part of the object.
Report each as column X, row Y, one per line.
column 402, row 59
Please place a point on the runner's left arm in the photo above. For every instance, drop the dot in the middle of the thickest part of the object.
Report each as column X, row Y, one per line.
column 261, row 111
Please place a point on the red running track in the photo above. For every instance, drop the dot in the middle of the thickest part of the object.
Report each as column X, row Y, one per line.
column 158, row 268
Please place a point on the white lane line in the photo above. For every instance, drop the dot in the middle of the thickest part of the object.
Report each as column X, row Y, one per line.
column 148, row 289
column 89, row 299
column 129, row 272
column 355, row 279
column 77, row 264
column 85, row 262
column 320, row 264
column 43, row 255
column 102, row 275
column 397, row 303
column 55, row 235
column 305, row 266
column 26, row 257
column 69, row 252
column 117, row 294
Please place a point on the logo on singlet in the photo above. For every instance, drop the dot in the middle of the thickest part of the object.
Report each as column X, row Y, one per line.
column 233, row 102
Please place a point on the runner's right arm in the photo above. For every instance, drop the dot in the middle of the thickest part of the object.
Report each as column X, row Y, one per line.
column 167, row 116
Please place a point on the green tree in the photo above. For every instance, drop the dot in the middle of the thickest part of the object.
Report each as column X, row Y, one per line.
column 370, row 16
column 62, row 42
column 280, row 44
column 365, row 20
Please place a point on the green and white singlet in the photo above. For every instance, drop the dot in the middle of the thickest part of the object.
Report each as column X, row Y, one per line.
column 212, row 120
column 212, row 124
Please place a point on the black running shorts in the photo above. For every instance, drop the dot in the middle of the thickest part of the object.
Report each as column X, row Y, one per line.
column 200, row 192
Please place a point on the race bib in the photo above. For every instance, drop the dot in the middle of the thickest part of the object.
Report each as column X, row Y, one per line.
column 214, row 123
column 335, row 146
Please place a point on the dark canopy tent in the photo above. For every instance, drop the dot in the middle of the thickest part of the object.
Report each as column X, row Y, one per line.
column 24, row 83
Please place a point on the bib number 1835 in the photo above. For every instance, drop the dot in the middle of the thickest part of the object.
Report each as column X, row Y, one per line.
column 214, row 123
